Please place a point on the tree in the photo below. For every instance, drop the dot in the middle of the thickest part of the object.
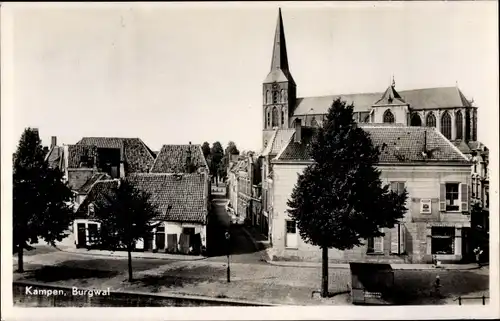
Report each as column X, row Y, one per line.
column 216, row 155
column 42, row 202
column 206, row 149
column 126, row 215
column 339, row 200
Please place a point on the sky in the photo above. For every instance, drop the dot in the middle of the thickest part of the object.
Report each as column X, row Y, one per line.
column 174, row 73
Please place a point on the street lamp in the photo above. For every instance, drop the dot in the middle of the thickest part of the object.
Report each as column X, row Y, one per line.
column 228, row 237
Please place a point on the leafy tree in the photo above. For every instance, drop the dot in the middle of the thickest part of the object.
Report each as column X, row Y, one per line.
column 42, row 205
column 206, row 149
column 231, row 149
column 126, row 215
column 339, row 200
column 216, row 155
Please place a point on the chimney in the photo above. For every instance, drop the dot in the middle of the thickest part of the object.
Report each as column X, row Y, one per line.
column 188, row 159
column 53, row 141
column 298, row 130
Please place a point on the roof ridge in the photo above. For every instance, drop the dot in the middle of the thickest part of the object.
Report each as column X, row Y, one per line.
column 147, row 148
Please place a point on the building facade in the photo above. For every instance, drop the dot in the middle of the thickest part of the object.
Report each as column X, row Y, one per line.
column 438, row 199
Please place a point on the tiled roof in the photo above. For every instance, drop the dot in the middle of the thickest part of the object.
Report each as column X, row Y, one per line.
column 85, row 189
column 172, row 158
column 178, row 198
column 390, row 97
column 76, row 152
column 398, row 144
column 137, row 156
column 279, row 139
column 55, row 157
column 426, row 98
column 100, row 192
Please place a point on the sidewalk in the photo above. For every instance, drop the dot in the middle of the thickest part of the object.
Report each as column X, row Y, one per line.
column 142, row 255
column 443, row 267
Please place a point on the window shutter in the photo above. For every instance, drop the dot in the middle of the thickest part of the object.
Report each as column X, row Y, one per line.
column 442, row 197
column 464, row 197
column 395, row 239
column 402, row 239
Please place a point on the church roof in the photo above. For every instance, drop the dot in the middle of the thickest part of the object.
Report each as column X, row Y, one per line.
column 398, row 144
column 55, row 157
column 426, row 98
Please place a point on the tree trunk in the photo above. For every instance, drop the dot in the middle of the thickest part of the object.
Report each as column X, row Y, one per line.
column 20, row 263
column 324, row 280
column 129, row 250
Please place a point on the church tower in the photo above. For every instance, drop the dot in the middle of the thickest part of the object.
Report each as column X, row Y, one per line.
column 279, row 89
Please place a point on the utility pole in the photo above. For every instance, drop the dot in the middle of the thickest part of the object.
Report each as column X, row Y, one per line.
column 228, row 237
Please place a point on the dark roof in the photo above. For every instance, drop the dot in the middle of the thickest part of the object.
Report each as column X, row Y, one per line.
column 55, row 157
column 426, row 98
column 76, row 152
column 100, row 192
column 279, row 139
column 398, row 144
column 137, row 156
column 172, row 158
column 85, row 189
column 180, row 198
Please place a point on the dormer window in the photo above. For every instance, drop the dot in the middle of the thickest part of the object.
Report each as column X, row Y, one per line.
column 91, row 209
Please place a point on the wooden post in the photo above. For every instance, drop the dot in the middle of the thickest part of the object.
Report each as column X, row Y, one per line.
column 459, row 300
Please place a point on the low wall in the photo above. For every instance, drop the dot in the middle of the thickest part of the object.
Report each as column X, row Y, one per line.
column 34, row 294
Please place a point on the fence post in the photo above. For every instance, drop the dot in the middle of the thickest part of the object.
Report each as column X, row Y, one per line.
column 484, row 300
column 459, row 300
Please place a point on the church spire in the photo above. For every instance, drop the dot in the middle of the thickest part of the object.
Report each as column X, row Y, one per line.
column 279, row 62
column 280, row 58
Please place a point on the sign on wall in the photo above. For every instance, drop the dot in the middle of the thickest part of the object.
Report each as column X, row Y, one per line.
column 425, row 206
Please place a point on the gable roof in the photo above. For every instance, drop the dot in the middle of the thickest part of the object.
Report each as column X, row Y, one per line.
column 76, row 152
column 425, row 98
column 136, row 155
column 180, row 198
column 279, row 139
column 87, row 186
column 172, row 158
column 398, row 144
column 55, row 157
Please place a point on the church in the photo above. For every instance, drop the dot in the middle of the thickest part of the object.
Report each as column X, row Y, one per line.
column 408, row 124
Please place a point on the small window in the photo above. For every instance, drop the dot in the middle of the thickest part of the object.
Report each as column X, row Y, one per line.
column 398, row 187
column 276, row 97
column 291, row 227
column 282, row 117
column 452, row 200
column 443, row 240
column 91, row 208
column 375, row 245
column 388, row 117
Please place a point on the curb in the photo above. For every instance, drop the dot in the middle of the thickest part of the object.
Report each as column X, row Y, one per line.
column 134, row 257
column 430, row 268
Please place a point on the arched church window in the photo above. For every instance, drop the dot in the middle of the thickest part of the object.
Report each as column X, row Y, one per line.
column 282, row 117
column 446, row 125
column 474, row 126
column 268, row 119
column 415, row 120
column 285, row 96
column 282, row 95
column 276, row 97
column 458, row 124
column 275, row 119
column 314, row 122
column 430, row 121
column 388, row 117
column 268, row 97
column 467, row 125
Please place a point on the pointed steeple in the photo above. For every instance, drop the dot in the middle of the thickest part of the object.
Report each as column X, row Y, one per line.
column 280, row 70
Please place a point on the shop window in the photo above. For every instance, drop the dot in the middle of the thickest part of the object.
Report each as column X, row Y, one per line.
column 443, row 240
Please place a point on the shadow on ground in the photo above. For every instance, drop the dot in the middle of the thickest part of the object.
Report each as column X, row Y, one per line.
column 416, row 287
column 180, row 277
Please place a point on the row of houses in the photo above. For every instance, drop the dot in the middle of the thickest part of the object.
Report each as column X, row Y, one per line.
column 176, row 177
